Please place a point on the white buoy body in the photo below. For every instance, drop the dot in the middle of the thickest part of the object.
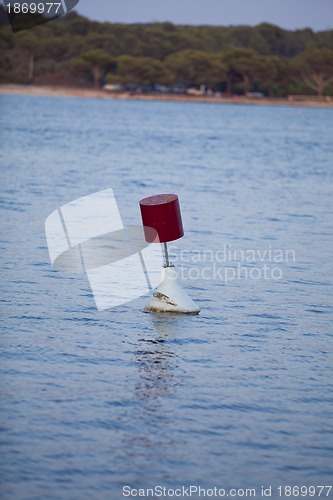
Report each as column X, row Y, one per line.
column 170, row 296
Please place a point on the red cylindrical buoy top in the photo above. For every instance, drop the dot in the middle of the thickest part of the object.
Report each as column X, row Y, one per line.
column 162, row 213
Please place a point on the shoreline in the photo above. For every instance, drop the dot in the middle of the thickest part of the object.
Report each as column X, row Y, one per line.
column 55, row 91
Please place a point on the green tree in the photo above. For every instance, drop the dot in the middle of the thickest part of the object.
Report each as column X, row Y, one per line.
column 141, row 71
column 325, row 39
column 167, row 52
column 56, row 48
column 95, row 62
column 315, row 68
column 271, row 73
column 241, row 64
column 193, row 67
column 247, row 37
column 30, row 47
column 6, row 44
column 273, row 36
column 106, row 42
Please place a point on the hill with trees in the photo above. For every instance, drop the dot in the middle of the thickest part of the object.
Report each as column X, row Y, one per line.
column 74, row 51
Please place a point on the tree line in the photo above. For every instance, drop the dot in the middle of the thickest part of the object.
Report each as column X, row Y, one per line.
column 73, row 50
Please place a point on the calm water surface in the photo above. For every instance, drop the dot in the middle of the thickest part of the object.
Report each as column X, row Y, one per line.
column 237, row 397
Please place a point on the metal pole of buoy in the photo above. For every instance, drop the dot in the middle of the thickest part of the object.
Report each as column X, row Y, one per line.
column 167, row 262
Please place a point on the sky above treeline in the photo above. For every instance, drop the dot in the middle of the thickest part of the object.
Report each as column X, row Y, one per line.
column 288, row 14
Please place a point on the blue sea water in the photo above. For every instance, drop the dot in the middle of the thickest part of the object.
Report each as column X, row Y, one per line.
column 239, row 396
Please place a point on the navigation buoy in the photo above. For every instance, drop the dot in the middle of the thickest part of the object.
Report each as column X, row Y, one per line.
column 162, row 213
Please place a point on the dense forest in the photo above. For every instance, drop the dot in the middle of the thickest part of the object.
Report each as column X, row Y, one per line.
column 74, row 51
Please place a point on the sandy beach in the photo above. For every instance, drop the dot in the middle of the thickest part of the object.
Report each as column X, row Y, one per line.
column 309, row 101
